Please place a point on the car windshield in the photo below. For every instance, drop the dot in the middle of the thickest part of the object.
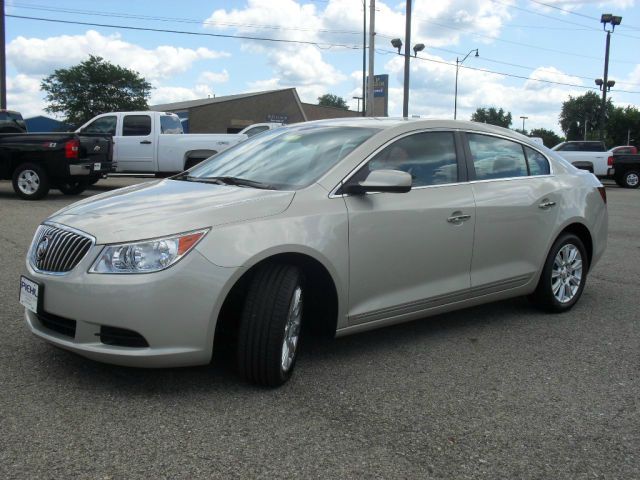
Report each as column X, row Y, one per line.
column 282, row 159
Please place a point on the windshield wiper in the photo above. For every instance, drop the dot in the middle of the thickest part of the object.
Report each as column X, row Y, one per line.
column 242, row 182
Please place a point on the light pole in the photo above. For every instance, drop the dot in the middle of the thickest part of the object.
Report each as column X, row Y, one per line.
column 523, row 119
column 604, row 84
column 359, row 98
column 458, row 63
column 418, row 47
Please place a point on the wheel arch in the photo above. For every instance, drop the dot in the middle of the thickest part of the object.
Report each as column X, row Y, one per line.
column 201, row 154
column 581, row 231
column 321, row 304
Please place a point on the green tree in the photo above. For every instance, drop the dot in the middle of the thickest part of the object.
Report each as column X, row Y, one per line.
column 492, row 117
column 93, row 87
column 623, row 124
column 549, row 137
column 331, row 100
column 578, row 111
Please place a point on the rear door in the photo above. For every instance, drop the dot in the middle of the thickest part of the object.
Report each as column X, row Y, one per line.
column 516, row 199
column 134, row 144
column 409, row 252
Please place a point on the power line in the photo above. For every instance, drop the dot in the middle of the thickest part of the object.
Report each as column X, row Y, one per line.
column 577, row 14
column 278, row 40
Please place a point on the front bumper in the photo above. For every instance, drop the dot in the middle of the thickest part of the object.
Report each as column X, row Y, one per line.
column 174, row 310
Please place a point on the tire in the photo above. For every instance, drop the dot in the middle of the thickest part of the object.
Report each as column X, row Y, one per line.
column 30, row 181
column 630, row 179
column 74, row 187
column 560, row 298
column 269, row 332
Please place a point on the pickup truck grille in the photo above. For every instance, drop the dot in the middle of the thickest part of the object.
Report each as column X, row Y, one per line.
column 58, row 250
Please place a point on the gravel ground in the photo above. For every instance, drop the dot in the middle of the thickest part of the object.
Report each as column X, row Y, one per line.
column 498, row 391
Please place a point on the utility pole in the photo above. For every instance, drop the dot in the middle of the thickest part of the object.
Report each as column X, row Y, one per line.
column 3, row 61
column 407, row 53
column 586, row 122
column 523, row 119
column 604, row 90
column 364, row 57
column 372, row 32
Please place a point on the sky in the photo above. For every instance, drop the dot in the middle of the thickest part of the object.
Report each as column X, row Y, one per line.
column 319, row 50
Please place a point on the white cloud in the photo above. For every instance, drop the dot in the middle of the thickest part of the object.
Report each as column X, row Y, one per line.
column 168, row 94
column 37, row 56
column 214, row 77
column 23, row 94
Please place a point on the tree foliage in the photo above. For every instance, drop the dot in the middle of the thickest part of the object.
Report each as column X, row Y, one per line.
column 93, row 87
column 578, row 111
column 331, row 100
column 492, row 117
column 549, row 137
column 623, row 123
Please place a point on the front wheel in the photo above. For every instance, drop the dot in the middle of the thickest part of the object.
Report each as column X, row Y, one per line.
column 630, row 179
column 563, row 276
column 73, row 187
column 30, row 181
column 270, row 325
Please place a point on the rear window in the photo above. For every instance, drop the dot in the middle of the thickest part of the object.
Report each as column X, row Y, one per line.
column 170, row 125
column 136, row 125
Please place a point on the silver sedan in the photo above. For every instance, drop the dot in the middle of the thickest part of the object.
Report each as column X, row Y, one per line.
column 333, row 226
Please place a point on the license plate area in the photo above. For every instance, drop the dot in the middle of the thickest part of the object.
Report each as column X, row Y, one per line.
column 31, row 294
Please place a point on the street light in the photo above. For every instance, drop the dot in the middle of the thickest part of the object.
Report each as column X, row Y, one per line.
column 358, row 98
column 418, row 47
column 458, row 63
column 523, row 119
column 605, row 84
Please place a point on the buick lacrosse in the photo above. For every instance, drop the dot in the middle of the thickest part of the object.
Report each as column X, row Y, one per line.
column 332, row 226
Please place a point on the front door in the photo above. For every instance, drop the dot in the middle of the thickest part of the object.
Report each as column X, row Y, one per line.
column 134, row 149
column 409, row 252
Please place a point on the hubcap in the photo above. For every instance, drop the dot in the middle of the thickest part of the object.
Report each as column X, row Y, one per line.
column 28, row 182
column 566, row 275
column 292, row 330
column 632, row 179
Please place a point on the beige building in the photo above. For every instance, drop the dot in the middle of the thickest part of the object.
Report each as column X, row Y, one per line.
column 231, row 113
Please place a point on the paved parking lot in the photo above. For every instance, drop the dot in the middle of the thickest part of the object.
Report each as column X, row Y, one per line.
column 498, row 391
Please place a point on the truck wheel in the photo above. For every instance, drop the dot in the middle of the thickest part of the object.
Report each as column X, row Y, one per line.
column 75, row 187
column 270, row 325
column 630, row 179
column 30, row 181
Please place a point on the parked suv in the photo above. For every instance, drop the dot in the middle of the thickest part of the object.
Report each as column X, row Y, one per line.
column 337, row 226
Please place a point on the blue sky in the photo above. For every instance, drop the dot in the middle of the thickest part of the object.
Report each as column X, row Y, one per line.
column 524, row 38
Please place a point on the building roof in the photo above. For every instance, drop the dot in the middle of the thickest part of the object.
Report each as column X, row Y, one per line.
column 208, row 101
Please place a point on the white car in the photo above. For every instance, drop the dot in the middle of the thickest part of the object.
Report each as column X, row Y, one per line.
column 154, row 142
column 342, row 225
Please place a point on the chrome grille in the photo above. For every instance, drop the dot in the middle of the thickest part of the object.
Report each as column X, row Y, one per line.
column 58, row 250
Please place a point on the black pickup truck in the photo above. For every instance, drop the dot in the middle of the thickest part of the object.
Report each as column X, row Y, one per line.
column 625, row 170
column 70, row 162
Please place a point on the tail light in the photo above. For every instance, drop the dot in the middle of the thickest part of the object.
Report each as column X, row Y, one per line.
column 610, row 161
column 72, row 149
column 603, row 194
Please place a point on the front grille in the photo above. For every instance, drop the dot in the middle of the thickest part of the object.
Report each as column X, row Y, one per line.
column 58, row 250
column 63, row 326
column 121, row 337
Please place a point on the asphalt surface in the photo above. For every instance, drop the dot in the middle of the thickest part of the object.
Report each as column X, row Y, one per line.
column 499, row 391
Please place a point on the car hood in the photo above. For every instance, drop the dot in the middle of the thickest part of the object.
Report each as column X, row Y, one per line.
column 165, row 207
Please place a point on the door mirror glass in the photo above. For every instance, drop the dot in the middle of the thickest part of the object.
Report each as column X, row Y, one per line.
column 393, row 181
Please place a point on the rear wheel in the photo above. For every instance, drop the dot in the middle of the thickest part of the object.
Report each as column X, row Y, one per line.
column 30, row 181
column 270, row 326
column 563, row 276
column 630, row 179
column 75, row 187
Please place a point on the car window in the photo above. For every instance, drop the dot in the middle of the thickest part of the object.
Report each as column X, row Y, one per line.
column 538, row 163
column 255, row 130
column 429, row 157
column 170, row 125
column 136, row 125
column 495, row 157
column 105, row 125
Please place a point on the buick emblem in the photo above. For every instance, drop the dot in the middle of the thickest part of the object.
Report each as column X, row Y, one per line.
column 41, row 250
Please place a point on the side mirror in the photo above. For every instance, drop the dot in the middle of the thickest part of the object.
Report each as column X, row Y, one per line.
column 393, row 181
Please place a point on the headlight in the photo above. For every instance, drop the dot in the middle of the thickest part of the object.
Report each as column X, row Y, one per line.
column 146, row 256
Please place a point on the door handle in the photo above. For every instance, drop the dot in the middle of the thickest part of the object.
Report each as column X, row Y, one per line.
column 145, row 142
column 458, row 218
column 546, row 205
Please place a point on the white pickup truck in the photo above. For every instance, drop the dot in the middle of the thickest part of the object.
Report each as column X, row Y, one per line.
column 154, row 142
column 589, row 155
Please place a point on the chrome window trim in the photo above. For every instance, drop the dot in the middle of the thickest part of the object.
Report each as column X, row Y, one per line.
column 31, row 251
column 333, row 194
